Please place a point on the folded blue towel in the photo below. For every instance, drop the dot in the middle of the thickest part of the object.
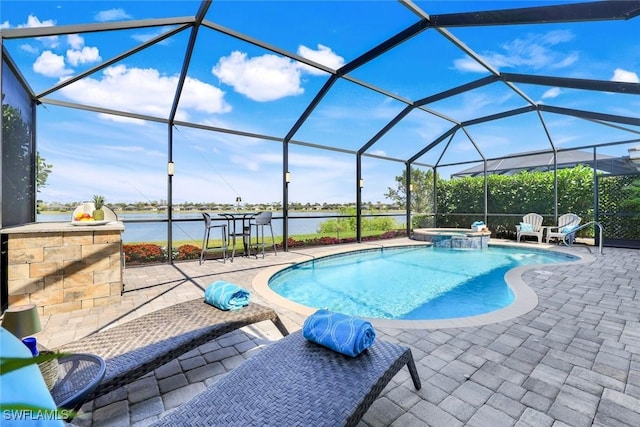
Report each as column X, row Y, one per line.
column 345, row 334
column 226, row 296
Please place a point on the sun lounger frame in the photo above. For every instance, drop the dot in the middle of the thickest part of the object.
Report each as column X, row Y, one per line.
column 294, row 382
column 141, row 345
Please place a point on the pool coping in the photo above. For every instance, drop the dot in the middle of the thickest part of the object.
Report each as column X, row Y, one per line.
column 525, row 298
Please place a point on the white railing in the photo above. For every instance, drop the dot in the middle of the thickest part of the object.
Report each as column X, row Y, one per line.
column 595, row 224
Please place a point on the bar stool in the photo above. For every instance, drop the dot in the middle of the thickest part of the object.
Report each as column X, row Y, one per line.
column 261, row 220
column 244, row 232
column 205, row 240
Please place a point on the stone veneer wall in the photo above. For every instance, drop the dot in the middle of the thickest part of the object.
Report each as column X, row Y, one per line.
column 454, row 239
column 65, row 271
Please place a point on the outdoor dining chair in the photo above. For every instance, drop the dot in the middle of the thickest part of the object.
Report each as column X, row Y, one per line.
column 208, row 226
column 260, row 221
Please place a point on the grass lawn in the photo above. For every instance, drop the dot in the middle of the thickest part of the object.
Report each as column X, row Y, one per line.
column 297, row 237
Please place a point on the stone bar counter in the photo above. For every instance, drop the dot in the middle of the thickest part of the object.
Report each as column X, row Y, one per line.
column 62, row 267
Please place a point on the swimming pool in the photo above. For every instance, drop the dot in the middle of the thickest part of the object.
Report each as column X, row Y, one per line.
column 409, row 283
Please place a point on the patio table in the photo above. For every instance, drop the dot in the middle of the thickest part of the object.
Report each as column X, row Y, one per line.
column 79, row 375
column 245, row 232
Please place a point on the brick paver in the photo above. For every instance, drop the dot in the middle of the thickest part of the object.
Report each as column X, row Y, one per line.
column 573, row 360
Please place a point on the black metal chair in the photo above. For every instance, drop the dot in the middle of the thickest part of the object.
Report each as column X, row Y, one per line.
column 208, row 226
column 260, row 221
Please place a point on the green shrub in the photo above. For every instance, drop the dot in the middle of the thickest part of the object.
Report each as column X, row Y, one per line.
column 511, row 197
column 348, row 223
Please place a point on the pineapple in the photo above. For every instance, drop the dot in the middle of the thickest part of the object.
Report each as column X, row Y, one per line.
column 98, row 213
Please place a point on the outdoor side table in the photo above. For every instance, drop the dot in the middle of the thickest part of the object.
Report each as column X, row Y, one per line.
column 80, row 374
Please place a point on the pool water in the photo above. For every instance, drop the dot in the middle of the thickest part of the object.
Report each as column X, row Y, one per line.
column 411, row 283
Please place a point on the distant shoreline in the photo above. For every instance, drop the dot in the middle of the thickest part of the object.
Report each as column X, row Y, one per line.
column 161, row 212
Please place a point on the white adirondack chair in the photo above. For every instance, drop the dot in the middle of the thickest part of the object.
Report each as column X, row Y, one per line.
column 535, row 221
column 566, row 224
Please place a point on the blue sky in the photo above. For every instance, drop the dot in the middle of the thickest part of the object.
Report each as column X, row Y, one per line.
column 238, row 86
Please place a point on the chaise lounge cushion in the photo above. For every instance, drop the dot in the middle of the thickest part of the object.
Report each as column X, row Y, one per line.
column 526, row 228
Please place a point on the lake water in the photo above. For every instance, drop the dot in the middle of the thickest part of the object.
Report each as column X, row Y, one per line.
column 189, row 226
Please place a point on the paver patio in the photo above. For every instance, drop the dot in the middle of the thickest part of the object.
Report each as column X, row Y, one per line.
column 573, row 360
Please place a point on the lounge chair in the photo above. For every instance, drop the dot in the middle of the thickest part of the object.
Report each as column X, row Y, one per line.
column 297, row 382
column 531, row 225
column 566, row 224
column 139, row 346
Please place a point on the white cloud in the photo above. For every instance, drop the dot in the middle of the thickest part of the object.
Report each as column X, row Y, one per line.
column 554, row 92
column 65, row 185
column 4, row 25
column 262, row 78
column 533, row 51
column 122, row 119
column 35, row 22
column 318, row 162
column 476, row 104
column 556, row 37
column 152, row 33
column 145, row 91
column 620, row 75
column 270, row 77
column 379, row 153
column 29, row 48
column 75, row 41
column 203, row 97
column 324, row 56
column 51, row 65
column 126, row 148
column 111, row 15
column 567, row 61
column 86, row 55
column 79, row 53
column 468, row 65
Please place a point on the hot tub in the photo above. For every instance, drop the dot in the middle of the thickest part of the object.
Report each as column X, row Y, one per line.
column 453, row 238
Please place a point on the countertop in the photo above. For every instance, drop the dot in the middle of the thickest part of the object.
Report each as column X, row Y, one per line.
column 57, row 227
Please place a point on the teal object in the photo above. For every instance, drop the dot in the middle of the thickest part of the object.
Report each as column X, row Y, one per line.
column 342, row 333
column 226, row 295
column 526, row 227
column 25, row 387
